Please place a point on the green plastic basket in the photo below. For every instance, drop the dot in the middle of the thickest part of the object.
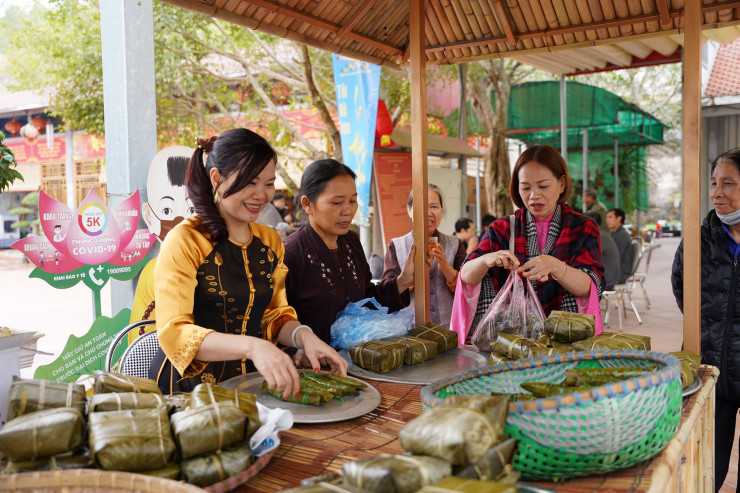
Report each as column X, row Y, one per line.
column 596, row 431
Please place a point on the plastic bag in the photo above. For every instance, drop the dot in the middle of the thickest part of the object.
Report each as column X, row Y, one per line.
column 511, row 312
column 357, row 324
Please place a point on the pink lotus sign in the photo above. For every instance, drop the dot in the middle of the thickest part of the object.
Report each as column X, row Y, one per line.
column 90, row 244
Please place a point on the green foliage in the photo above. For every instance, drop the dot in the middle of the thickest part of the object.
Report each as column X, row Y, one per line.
column 26, row 213
column 7, row 162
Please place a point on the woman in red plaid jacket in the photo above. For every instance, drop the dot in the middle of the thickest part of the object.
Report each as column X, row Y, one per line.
column 555, row 247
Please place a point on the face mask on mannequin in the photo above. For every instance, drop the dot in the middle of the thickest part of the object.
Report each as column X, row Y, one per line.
column 730, row 219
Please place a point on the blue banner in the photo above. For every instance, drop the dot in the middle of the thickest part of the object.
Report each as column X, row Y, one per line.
column 357, row 86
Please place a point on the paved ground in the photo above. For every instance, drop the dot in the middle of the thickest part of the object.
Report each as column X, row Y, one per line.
column 31, row 304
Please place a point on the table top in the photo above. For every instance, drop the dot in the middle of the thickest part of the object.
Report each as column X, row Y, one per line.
column 309, row 450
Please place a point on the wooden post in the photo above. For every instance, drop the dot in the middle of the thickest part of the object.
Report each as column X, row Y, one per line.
column 692, row 177
column 417, row 61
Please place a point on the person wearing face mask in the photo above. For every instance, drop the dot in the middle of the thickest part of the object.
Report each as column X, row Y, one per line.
column 167, row 205
column 327, row 268
column 444, row 257
column 555, row 248
column 220, row 278
column 720, row 300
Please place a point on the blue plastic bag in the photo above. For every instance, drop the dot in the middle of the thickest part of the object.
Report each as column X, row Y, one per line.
column 357, row 324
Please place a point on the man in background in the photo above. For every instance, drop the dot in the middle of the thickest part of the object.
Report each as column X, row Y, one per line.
column 615, row 222
column 485, row 222
column 592, row 203
column 609, row 252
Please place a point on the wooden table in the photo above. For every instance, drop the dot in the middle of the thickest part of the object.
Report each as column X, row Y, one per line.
column 686, row 464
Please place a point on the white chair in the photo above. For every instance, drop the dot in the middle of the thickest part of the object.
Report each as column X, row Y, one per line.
column 641, row 276
column 621, row 291
column 139, row 354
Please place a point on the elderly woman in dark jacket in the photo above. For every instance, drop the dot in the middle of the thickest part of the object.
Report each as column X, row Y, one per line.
column 720, row 300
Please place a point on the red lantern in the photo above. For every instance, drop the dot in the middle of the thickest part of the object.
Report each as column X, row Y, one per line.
column 13, row 126
column 39, row 122
column 383, row 126
column 28, row 131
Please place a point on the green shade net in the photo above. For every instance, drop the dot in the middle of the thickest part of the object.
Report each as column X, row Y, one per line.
column 534, row 118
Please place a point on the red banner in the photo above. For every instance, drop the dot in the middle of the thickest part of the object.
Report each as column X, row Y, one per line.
column 392, row 185
column 37, row 151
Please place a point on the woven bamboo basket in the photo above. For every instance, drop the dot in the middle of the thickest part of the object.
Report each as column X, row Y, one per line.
column 595, row 431
column 91, row 481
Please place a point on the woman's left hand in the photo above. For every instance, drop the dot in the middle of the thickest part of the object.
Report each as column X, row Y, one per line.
column 541, row 267
column 321, row 354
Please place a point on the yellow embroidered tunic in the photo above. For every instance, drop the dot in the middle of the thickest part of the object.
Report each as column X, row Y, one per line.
column 201, row 286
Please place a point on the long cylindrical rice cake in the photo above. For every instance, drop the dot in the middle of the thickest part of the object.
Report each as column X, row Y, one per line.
column 417, row 350
column 445, row 338
column 27, row 396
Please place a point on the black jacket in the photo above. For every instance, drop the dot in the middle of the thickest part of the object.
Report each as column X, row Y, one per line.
column 720, row 305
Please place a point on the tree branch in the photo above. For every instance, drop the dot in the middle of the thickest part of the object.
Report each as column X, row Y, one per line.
column 318, row 102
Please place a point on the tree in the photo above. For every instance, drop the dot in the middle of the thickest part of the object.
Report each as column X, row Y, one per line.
column 27, row 211
column 7, row 162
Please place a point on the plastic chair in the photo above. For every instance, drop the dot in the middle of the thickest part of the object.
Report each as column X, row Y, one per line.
column 640, row 276
column 625, row 290
column 137, row 357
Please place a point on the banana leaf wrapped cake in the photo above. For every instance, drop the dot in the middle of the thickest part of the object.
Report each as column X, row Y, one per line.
column 569, row 326
column 445, row 338
column 417, row 350
column 66, row 461
column 121, row 401
column 131, row 440
column 212, row 468
column 208, row 429
column 117, row 382
column 379, row 355
column 205, row 394
column 170, row 471
column 497, row 359
column 27, row 396
column 494, row 463
column 609, row 341
column 42, row 434
column 513, row 346
column 395, row 473
column 689, row 366
column 460, row 429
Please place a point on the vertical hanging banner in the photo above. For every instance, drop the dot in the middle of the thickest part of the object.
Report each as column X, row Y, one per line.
column 357, row 87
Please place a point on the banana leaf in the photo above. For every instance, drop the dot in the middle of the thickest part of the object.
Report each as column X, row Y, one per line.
column 42, row 434
column 514, row 397
column 461, row 436
column 205, row 471
column 208, row 429
column 513, row 346
column 495, row 407
column 131, row 440
column 463, row 485
column 445, row 338
column 120, row 401
column 545, row 389
column 56, row 462
column 170, row 471
column 116, row 382
column 308, row 397
column 570, row 326
column 395, row 473
column 497, row 359
column 205, row 394
column 493, row 464
column 537, row 352
column 600, row 376
column 609, row 341
column 27, row 396
column 378, row 356
column 689, row 366
column 417, row 350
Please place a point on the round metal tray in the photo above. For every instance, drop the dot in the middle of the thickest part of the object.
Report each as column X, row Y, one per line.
column 695, row 385
column 451, row 362
column 353, row 405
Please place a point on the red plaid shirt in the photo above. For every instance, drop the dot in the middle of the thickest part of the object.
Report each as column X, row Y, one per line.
column 578, row 245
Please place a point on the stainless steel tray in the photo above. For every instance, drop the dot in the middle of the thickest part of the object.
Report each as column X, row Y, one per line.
column 695, row 385
column 451, row 362
column 353, row 406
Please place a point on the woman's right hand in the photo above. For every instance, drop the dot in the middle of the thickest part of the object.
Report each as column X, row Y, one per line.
column 275, row 366
column 501, row 258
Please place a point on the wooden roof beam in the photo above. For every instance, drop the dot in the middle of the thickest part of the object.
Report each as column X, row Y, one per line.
column 322, row 24
column 505, row 19
column 353, row 17
column 665, row 18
